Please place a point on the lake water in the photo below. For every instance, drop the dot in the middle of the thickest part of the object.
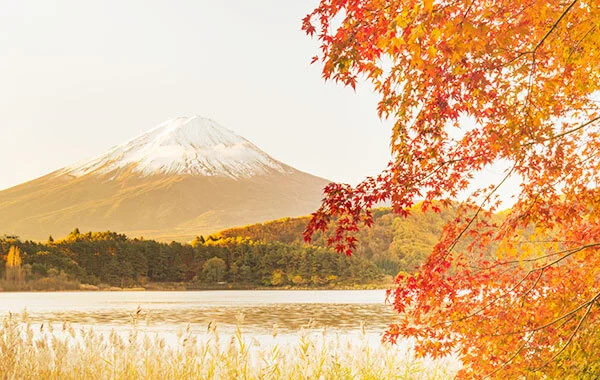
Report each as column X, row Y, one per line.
column 352, row 318
column 338, row 311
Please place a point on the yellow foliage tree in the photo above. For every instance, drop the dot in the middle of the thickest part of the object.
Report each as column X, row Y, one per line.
column 14, row 273
column 13, row 259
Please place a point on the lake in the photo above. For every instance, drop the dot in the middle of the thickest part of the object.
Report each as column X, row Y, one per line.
column 337, row 322
column 339, row 311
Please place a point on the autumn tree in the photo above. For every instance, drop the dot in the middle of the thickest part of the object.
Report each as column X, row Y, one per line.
column 472, row 85
column 14, row 273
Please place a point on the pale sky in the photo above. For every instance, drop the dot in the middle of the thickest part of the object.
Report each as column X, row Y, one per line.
column 78, row 77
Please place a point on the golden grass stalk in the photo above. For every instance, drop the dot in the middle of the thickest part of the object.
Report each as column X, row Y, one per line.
column 51, row 352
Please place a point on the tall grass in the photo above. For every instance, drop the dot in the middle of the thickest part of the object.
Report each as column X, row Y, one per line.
column 63, row 352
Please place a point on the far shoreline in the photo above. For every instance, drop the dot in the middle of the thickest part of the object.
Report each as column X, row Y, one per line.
column 182, row 288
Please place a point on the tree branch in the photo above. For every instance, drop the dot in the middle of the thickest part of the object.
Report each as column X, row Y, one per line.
column 577, row 328
column 553, row 26
column 562, row 134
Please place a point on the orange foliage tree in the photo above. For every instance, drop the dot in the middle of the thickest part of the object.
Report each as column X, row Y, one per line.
column 514, row 295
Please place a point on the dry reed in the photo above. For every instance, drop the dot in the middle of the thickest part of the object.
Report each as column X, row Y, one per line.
column 47, row 351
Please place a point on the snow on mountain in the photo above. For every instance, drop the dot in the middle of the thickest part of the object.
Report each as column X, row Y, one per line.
column 185, row 145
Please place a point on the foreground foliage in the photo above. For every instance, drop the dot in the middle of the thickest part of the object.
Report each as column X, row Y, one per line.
column 63, row 352
column 475, row 85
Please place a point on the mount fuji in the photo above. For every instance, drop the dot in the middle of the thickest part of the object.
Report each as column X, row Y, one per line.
column 185, row 145
column 186, row 177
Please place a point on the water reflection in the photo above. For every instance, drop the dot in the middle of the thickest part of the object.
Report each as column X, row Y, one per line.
column 287, row 317
column 341, row 311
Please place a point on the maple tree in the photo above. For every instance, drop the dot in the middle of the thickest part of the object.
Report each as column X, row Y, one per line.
column 473, row 84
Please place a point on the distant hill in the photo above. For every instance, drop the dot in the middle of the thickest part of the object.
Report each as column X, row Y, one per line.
column 393, row 243
column 188, row 176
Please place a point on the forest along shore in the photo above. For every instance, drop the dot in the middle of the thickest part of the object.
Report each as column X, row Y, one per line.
column 269, row 255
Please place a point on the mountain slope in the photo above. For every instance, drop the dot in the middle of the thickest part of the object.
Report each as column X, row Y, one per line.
column 186, row 177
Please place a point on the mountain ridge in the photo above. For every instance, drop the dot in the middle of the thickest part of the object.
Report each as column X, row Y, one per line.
column 162, row 196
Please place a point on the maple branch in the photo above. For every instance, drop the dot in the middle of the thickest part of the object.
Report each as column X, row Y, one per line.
column 537, row 280
column 466, row 13
column 530, row 86
column 490, row 303
column 514, row 287
column 577, row 328
column 580, row 41
column 562, row 134
column 507, row 362
column 568, row 251
column 514, row 59
column 547, row 241
column 568, row 314
column 541, row 42
column 575, row 129
column 521, row 349
column 534, row 57
column 487, row 198
column 554, row 26
column 444, row 163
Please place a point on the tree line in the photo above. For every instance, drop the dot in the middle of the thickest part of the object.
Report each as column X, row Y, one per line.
column 111, row 258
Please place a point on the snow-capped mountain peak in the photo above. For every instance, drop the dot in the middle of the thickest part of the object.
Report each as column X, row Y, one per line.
column 185, row 145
